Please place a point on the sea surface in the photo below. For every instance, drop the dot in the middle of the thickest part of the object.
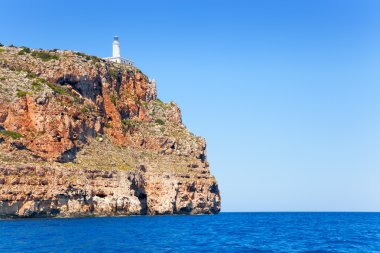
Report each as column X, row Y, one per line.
column 225, row 232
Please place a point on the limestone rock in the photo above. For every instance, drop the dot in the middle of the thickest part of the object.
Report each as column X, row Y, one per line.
column 83, row 136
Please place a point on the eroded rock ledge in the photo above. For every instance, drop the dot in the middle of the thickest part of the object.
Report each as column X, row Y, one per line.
column 63, row 192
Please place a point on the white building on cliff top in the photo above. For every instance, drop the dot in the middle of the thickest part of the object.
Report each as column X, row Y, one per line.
column 116, row 57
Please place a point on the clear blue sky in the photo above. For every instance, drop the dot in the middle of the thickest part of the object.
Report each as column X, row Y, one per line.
column 286, row 93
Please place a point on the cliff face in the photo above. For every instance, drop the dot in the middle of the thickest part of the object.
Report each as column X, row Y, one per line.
column 82, row 136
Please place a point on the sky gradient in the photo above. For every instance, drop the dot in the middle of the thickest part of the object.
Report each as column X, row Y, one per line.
column 286, row 93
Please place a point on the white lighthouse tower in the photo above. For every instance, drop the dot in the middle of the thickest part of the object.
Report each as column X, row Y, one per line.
column 116, row 56
column 116, row 47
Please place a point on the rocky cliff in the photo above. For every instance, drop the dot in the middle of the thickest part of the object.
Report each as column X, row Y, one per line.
column 83, row 136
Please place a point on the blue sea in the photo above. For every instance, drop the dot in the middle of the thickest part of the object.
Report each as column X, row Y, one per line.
column 225, row 232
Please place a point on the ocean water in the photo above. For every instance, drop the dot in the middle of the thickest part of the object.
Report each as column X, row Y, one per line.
column 225, row 232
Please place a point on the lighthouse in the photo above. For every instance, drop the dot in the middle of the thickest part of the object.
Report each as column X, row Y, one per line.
column 116, row 56
column 116, row 47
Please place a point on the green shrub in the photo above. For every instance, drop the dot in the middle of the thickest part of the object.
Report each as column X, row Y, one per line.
column 41, row 80
column 1, row 50
column 56, row 88
column 130, row 123
column 159, row 121
column 30, row 75
column 94, row 58
column 11, row 134
column 113, row 99
column 18, row 69
column 88, row 108
column 21, row 93
column 36, row 86
column 3, row 78
column 88, row 57
column 24, row 50
column 112, row 73
column 1, row 45
column 84, row 110
column 45, row 56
